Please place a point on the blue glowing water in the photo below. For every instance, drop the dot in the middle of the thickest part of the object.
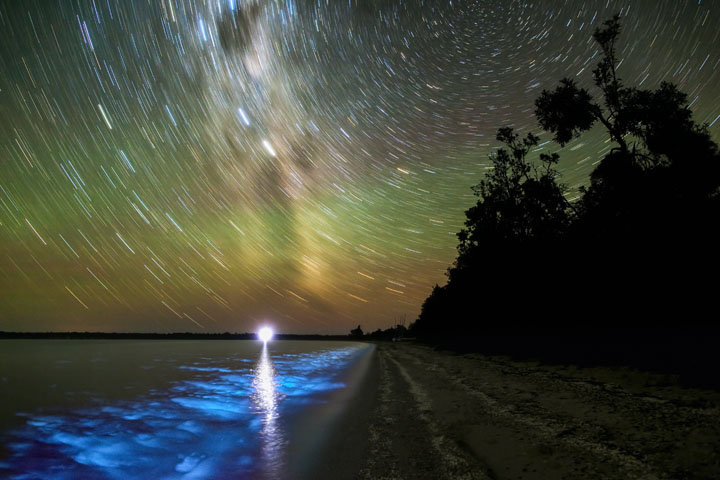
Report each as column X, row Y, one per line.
column 161, row 409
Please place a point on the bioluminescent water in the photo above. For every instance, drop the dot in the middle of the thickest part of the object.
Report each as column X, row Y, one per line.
column 167, row 409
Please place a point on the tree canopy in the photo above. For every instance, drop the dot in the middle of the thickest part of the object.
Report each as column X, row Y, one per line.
column 641, row 236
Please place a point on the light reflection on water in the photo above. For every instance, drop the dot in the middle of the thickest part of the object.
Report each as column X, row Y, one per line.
column 225, row 418
column 265, row 400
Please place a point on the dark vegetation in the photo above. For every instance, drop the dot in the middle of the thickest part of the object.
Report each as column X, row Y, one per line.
column 398, row 332
column 638, row 248
column 356, row 332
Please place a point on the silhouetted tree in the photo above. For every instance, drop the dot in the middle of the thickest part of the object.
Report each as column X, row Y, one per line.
column 520, row 202
column 663, row 175
column 643, row 237
column 356, row 332
column 435, row 307
column 647, row 221
column 509, row 242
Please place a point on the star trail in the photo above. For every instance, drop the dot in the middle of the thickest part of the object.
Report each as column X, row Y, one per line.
column 179, row 165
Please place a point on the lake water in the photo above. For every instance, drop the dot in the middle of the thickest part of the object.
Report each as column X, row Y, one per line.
column 168, row 409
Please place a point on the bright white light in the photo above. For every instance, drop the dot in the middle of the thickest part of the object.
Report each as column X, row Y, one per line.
column 265, row 334
column 269, row 148
column 244, row 117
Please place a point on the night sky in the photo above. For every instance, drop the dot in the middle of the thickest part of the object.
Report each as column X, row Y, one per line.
column 179, row 165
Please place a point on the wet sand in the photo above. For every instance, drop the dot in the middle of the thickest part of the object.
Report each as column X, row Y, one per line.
column 425, row 414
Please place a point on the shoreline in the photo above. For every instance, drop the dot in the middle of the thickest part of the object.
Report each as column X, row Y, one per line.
column 345, row 443
column 439, row 415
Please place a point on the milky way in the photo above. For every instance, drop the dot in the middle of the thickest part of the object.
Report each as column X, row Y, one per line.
column 180, row 165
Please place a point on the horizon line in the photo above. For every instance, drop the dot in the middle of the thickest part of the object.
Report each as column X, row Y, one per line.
column 159, row 334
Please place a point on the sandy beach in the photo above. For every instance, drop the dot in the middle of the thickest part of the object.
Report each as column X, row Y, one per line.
column 435, row 415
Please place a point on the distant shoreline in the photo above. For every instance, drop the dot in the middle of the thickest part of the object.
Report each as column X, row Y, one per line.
column 158, row 336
